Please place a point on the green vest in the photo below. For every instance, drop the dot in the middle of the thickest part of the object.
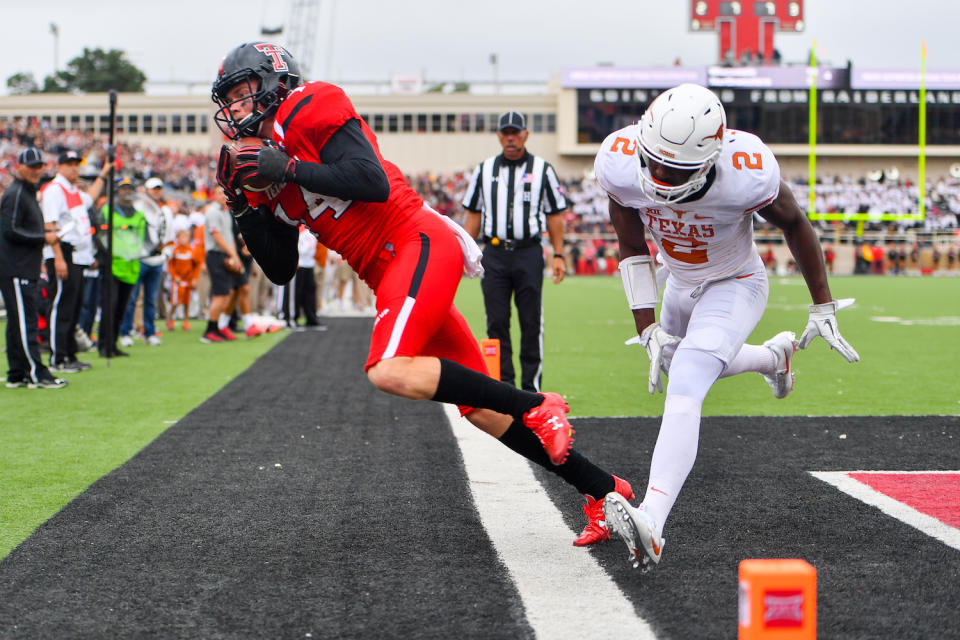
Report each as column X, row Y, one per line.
column 129, row 238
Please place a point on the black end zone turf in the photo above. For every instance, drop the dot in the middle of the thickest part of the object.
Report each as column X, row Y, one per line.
column 750, row 496
column 297, row 502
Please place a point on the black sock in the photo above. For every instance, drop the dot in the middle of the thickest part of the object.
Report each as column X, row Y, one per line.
column 212, row 326
column 585, row 476
column 464, row 386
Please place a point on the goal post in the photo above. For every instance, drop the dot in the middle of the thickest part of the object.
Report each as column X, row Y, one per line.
column 860, row 218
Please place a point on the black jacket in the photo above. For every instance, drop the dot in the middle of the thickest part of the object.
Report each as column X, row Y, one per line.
column 21, row 232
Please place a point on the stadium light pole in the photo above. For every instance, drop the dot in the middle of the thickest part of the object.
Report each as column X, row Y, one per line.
column 55, row 30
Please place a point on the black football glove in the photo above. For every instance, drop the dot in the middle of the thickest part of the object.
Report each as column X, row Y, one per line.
column 227, row 179
column 273, row 164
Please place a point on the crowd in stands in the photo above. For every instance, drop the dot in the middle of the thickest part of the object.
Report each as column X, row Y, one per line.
column 192, row 173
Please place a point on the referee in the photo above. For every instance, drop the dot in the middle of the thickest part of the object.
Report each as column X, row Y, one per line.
column 511, row 200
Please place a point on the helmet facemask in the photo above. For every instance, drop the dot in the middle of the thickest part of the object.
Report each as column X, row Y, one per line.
column 250, row 124
column 267, row 72
column 682, row 129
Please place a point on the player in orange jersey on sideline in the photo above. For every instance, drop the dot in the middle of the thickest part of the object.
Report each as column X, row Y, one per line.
column 184, row 266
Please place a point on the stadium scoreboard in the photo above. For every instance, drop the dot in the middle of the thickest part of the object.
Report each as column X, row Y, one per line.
column 746, row 28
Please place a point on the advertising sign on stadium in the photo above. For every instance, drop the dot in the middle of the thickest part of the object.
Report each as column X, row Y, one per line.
column 904, row 79
column 733, row 77
column 774, row 77
column 631, row 78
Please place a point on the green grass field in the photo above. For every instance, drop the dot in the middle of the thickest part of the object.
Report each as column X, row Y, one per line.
column 55, row 443
column 907, row 365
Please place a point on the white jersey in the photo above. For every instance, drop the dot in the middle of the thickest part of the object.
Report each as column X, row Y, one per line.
column 708, row 238
column 66, row 205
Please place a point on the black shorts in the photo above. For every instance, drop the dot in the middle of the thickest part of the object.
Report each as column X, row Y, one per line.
column 222, row 280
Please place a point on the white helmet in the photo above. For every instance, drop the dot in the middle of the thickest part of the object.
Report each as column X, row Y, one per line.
column 683, row 129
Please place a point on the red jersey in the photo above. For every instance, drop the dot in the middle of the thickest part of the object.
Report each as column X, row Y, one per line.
column 358, row 231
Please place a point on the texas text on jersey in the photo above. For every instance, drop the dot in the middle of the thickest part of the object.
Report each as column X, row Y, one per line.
column 710, row 234
column 305, row 121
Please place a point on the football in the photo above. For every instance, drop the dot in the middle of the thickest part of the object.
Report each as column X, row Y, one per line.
column 248, row 179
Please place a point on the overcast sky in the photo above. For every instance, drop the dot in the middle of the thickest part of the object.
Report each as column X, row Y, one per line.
column 448, row 40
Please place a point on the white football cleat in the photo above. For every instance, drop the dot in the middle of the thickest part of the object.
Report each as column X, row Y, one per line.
column 783, row 345
column 636, row 528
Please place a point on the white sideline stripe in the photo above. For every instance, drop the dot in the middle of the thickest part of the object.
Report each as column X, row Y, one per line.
column 565, row 593
column 929, row 525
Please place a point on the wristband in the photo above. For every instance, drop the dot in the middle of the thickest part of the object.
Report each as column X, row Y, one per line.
column 559, row 255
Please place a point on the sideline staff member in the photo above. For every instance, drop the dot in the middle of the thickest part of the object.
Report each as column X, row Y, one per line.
column 514, row 192
column 22, row 237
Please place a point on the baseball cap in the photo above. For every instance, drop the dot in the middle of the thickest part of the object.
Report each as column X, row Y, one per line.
column 69, row 156
column 124, row 182
column 30, row 156
column 153, row 183
column 512, row 119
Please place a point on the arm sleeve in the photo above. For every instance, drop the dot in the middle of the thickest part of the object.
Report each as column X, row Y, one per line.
column 273, row 244
column 11, row 220
column 351, row 169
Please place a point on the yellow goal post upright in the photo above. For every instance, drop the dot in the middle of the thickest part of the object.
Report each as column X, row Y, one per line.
column 860, row 218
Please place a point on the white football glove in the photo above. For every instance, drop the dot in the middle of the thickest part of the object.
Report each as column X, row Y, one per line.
column 823, row 323
column 654, row 339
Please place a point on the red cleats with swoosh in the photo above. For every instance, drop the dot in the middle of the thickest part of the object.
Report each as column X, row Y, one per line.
column 597, row 529
column 549, row 422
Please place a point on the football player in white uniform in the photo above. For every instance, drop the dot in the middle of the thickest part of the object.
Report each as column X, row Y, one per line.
column 694, row 185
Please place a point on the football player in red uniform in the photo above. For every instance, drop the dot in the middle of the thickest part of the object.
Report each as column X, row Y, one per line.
column 329, row 175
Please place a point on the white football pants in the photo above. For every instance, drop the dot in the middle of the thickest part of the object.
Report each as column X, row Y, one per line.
column 714, row 328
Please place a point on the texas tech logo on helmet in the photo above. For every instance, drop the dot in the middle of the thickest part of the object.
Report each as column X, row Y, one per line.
column 275, row 53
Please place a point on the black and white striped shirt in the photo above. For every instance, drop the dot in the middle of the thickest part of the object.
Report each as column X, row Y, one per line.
column 514, row 196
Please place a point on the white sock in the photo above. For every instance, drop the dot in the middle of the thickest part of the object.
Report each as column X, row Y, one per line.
column 223, row 321
column 673, row 456
column 249, row 319
column 752, row 357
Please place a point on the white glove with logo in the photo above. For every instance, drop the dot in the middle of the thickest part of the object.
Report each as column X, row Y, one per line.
column 654, row 339
column 823, row 323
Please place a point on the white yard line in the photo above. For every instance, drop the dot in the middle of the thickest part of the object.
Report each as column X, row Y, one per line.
column 894, row 508
column 565, row 593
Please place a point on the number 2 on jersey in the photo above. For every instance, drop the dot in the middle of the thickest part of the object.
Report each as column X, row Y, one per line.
column 741, row 159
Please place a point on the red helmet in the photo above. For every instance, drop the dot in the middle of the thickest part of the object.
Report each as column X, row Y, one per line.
column 270, row 73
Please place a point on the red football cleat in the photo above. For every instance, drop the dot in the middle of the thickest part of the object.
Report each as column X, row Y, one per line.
column 596, row 529
column 549, row 422
column 185, row 326
column 211, row 336
column 253, row 331
column 227, row 334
